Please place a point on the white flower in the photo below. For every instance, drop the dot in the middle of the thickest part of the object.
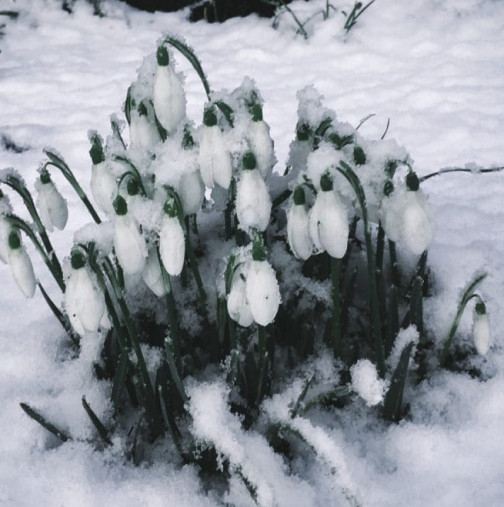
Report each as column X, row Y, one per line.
column 253, row 202
column 152, row 274
column 262, row 292
column 168, row 95
column 298, row 233
column 52, row 206
column 417, row 228
column 144, row 133
column 172, row 245
column 214, row 157
column 481, row 329
column 366, row 383
column 237, row 302
column 103, row 186
column 391, row 215
column 262, row 146
column 5, row 229
column 328, row 222
column 21, row 266
column 129, row 244
column 191, row 190
column 84, row 301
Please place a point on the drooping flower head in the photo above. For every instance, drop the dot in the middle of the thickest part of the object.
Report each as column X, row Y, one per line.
column 21, row 266
column 103, row 181
column 52, row 206
column 171, row 240
column 298, row 233
column 481, row 329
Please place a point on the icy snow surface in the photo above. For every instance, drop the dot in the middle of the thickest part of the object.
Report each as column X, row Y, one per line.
column 435, row 68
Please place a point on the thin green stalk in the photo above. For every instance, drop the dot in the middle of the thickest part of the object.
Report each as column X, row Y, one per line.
column 44, row 423
column 230, row 209
column 460, row 170
column 336, row 317
column 133, row 171
column 60, row 164
column 100, row 427
column 466, row 297
column 354, row 181
column 394, row 265
column 263, row 360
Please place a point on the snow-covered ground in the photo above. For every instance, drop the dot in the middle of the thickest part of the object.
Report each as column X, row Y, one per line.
column 435, row 68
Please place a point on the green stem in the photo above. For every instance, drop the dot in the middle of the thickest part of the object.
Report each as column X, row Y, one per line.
column 460, row 170
column 336, row 318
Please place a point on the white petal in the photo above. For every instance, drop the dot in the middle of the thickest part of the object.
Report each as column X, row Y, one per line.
column 262, row 292
column 152, row 275
column 391, row 215
column 172, row 245
column 143, row 131
column 253, row 202
column 72, row 303
column 103, row 187
column 214, row 158
column 417, row 228
column 298, row 233
column 52, row 207
column 22, row 270
column 481, row 333
column 191, row 191
column 333, row 225
column 262, row 146
column 169, row 98
column 5, row 229
column 237, row 303
column 129, row 245
column 313, row 225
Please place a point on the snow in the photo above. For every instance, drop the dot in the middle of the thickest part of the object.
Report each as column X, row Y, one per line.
column 435, row 69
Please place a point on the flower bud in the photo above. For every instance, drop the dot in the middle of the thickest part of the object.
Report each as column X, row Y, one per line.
column 237, row 302
column 144, row 133
column 103, row 182
column 262, row 146
column 52, row 206
column 191, row 190
column 214, row 157
column 5, row 229
column 172, row 245
column 169, row 97
column 417, row 228
column 298, row 234
column 481, row 329
column 152, row 274
column 21, row 266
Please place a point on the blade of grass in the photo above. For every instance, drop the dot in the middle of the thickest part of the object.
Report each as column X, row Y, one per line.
column 36, row 416
column 102, row 431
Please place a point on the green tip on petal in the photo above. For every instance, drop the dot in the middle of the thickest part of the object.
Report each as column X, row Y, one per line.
column 412, row 181
column 258, row 250
column 45, row 177
column 480, row 308
column 187, row 141
column 326, row 183
column 303, row 132
column 120, row 206
column 96, row 151
column 132, row 187
column 209, row 117
column 249, row 161
column 14, row 240
column 77, row 259
column 388, row 188
column 359, row 156
column 256, row 112
column 299, row 196
column 142, row 109
column 162, row 56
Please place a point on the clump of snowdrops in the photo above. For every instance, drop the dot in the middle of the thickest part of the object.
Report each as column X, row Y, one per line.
column 232, row 296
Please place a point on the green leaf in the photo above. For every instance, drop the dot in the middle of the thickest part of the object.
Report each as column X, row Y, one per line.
column 121, row 374
column 44, row 423
column 102, row 431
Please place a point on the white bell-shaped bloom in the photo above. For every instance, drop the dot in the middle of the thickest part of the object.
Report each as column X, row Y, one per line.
column 237, row 302
column 169, row 97
column 481, row 329
column 417, row 227
column 262, row 292
column 103, row 186
column 191, row 191
column 22, row 269
column 214, row 158
column 366, row 382
column 328, row 223
column 298, row 233
column 253, row 202
column 172, row 245
column 129, row 245
column 51, row 205
column 152, row 274
column 262, row 146
column 391, row 214
column 144, row 133
column 5, row 229
column 84, row 301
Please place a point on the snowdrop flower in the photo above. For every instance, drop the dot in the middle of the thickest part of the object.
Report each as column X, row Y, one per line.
column 214, row 157
column 298, row 234
column 168, row 95
column 261, row 287
column 129, row 242
column 52, row 206
column 237, row 302
column 253, row 202
column 366, row 383
column 328, row 222
column 152, row 274
column 481, row 329
column 391, row 212
column 261, row 142
column 21, row 265
column 144, row 133
column 103, row 182
column 4, row 239
column 172, row 241
column 191, row 190
column 84, row 300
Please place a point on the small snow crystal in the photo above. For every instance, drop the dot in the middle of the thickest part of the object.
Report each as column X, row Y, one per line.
column 366, row 383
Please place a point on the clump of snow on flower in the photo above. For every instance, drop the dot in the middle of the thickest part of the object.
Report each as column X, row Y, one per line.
column 366, row 383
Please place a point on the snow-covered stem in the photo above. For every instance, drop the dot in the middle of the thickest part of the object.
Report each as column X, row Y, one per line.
column 466, row 297
column 60, row 164
column 336, row 316
column 229, row 212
